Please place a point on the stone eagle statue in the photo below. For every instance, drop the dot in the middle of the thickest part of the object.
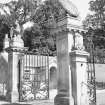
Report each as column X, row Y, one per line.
column 69, row 7
column 79, row 42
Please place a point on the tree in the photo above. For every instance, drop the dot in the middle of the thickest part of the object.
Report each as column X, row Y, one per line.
column 96, row 20
column 23, row 11
column 44, row 15
column 4, row 29
column 17, row 13
column 95, row 23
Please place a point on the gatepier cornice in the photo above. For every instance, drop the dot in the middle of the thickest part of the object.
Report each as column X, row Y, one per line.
column 67, row 24
column 16, row 49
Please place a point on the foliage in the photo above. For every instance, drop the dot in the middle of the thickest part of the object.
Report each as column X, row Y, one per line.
column 44, row 15
column 4, row 29
column 24, row 11
column 95, row 23
column 96, row 19
column 20, row 11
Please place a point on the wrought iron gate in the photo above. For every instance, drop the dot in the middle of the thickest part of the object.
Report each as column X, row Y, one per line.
column 91, row 70
column 91, row 80
column 94, row 60
column 34, row 76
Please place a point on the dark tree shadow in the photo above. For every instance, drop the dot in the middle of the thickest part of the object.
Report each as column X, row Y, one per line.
column 2, row 98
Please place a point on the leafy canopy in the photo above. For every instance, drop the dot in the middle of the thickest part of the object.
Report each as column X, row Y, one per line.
column 42, row 15
column 95, row 24
column 96, row 20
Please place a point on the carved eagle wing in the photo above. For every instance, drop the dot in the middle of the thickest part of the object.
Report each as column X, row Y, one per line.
column 69, row 7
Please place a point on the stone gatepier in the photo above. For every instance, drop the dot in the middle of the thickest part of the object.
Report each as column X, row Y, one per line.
column 71, row 64
column 71, row 60
column 16, row 45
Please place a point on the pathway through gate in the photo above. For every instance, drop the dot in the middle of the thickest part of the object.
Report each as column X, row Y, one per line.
column 34, row 76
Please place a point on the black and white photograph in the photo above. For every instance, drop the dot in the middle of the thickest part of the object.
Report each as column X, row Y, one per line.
column 52, row 52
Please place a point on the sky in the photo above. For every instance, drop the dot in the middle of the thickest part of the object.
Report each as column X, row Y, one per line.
column 6, row 1
column 82, row 6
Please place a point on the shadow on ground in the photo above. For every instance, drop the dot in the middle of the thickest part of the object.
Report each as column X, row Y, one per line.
column 4, row 102
column 2, row 98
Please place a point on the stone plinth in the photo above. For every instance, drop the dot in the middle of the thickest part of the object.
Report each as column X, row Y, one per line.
column 65, row 33
column 14, row 55
column 79, row 77
column 12, row 87
column 64, row 46
column 66, row 27
column 14, row 52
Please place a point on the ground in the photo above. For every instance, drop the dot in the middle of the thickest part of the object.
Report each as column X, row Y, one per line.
column 100, row 97
column 100, row 100
column 43, row 102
